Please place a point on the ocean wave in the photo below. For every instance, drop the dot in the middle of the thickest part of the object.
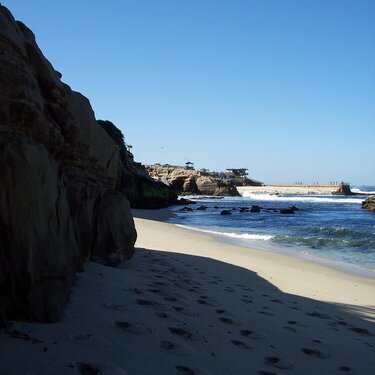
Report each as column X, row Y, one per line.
column 312, row 199
column 359, row 191
column 339, row 232
column 244, row 236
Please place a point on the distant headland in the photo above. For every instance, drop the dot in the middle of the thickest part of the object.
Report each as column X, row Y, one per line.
column 233, row 181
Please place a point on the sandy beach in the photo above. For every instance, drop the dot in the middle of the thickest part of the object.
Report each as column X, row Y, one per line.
column 188, row 304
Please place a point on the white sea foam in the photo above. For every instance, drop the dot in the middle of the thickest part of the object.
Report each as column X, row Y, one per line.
column 312, row 199
column 244, row 236
column 359, row 191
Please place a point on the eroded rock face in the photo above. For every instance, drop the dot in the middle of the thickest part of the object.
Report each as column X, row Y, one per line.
column 133, row 180
column 186, row 181
column 58, row 168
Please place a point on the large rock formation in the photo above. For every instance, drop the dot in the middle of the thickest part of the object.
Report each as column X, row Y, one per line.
column 369, row 204
column 188, row 181
column 59, row 205
column 133, row 180
column 344, row 189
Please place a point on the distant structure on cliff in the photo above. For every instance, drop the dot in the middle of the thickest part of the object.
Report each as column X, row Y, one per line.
column 236, row 175
column 189, row 166
column 232, row 176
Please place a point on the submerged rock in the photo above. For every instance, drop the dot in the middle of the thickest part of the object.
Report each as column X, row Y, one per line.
column 59, row 205
column 201, row 208
column 255, row 208
column 185, row 209
column 287, row 211
column 225, row 212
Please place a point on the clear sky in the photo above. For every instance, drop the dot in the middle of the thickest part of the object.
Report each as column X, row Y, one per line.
column 283, row 88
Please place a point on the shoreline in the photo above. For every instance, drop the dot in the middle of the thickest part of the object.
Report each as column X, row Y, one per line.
column 289, row 268
column 358, row 270
column 188, row 304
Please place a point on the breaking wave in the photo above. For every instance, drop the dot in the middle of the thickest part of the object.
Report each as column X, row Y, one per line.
column 311, row 199
column 359, row 191
column 243, row 236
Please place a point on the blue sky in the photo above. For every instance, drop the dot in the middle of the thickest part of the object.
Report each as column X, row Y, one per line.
column 283, row 88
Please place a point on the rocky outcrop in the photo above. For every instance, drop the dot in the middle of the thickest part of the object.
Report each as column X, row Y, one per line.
column 369, row 204
column 187, row 181
column 344, row 189
column 59, row 201
column 133, row 180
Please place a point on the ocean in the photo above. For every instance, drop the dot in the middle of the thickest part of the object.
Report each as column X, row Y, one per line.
column 331, row 229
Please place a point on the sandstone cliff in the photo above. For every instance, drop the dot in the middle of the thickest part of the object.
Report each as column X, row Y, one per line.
column 369, row 204
column 59, row 205
column 187, row 181
column 133, row 180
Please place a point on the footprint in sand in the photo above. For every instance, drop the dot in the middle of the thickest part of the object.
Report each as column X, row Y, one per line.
column 184, row 370
column 276, row 300
column 155, row 291
column 222, row 311
column 227, row 320
column 261, row 372
column 267, row 313
column 317, row 341
column 186, row 334
column 176, row 348
column 280, row 363
column 253, row 335
column 94, row 340
column 150, row 303
column 240, row 344
column 246, row 300
column 133, row 290
column 112, row 306
column 361, row 331
column 185, row 311
column 345, row 369
column 161, row 315
column 229, row 289
column 292, row 329
column 248, row 289
column 133, row 328
column 319, row 315
column 207, row 301
column 98, row 369
column 315, row 353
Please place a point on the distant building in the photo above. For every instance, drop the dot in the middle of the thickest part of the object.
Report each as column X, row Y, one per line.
column 236, row 175
column 189, row 165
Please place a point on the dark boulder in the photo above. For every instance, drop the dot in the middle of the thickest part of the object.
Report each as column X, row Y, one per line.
column 287, row 211
column 255, row 208
column 201, row 208
column 186, row 209
column 369, row 204
column 184, row 201
column 344, row 189
column 225, row 212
